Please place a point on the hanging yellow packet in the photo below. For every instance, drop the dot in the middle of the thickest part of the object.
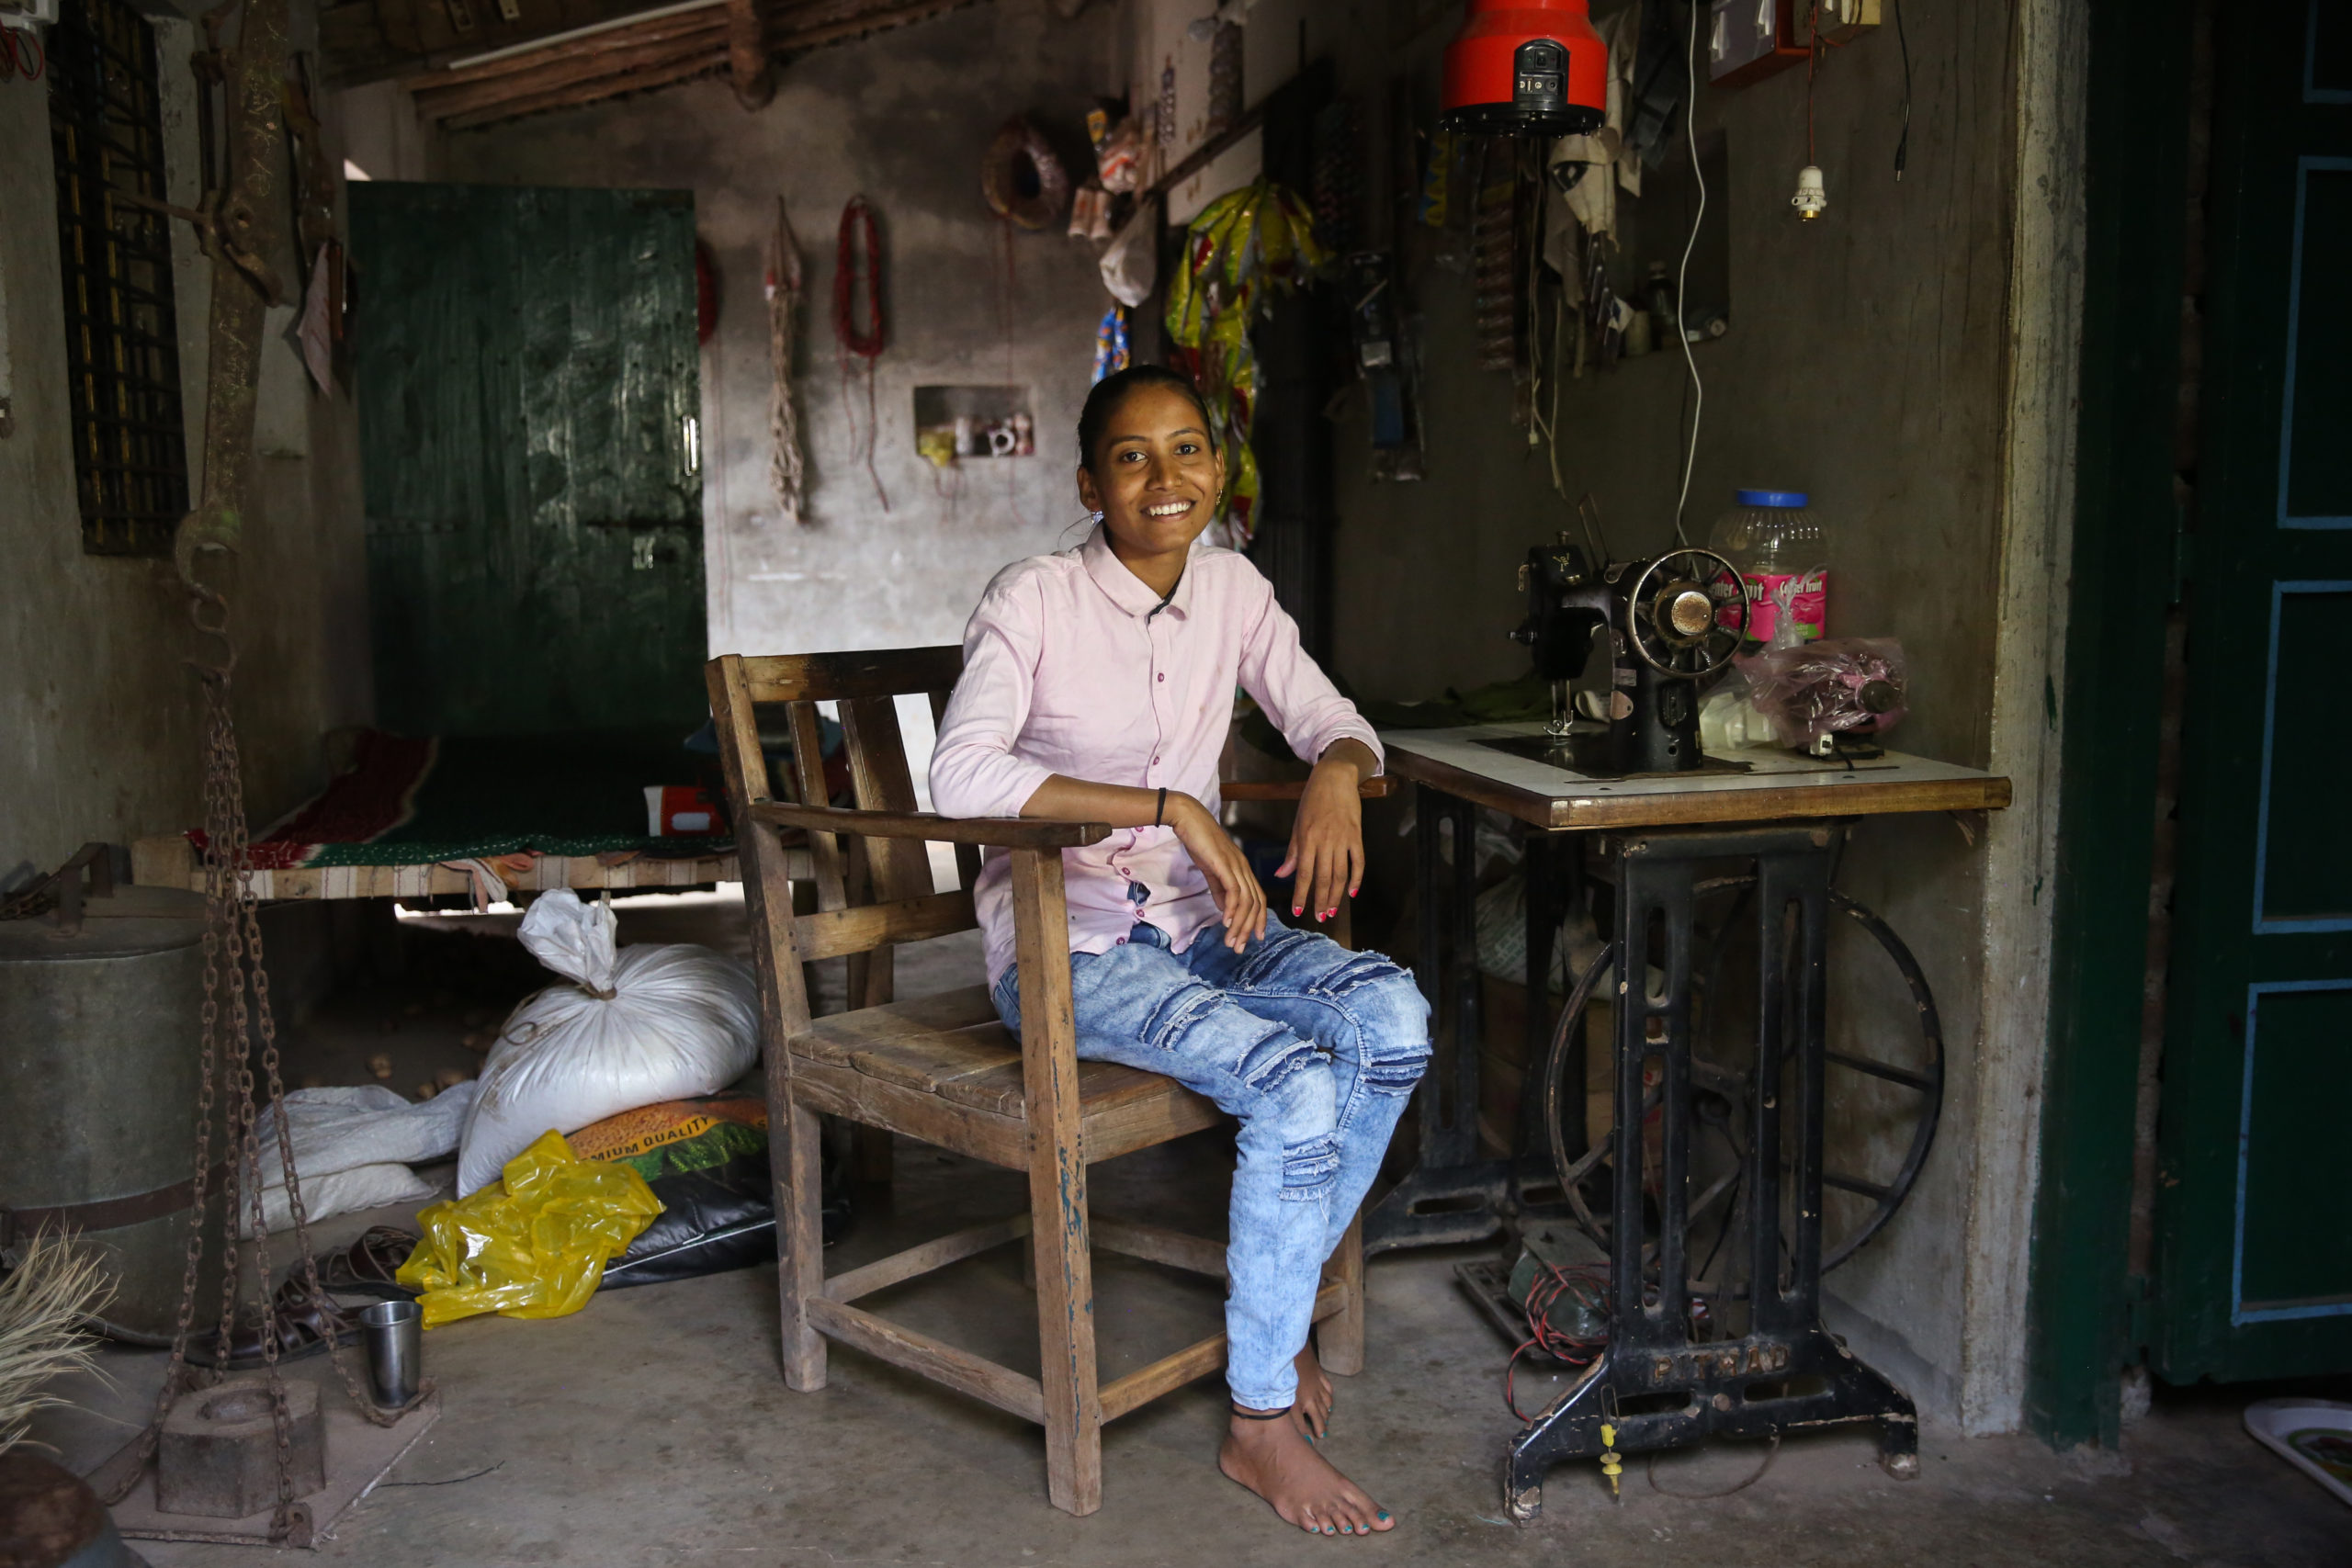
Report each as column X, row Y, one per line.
column 532, row 1245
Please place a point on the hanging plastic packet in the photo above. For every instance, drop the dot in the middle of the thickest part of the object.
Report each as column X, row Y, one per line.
column 1111, row 343
column 1118, row 153
column 1130, row 265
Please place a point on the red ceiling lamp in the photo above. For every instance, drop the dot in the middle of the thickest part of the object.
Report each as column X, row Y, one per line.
column 1526, row 68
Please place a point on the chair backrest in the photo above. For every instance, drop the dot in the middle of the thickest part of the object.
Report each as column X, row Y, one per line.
column 850, row 872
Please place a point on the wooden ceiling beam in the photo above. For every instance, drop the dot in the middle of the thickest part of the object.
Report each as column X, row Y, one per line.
column 657, row 53
column 874, row 19
column 709, row 22
column 594, row 91
column 367, row 41
column 467, row 97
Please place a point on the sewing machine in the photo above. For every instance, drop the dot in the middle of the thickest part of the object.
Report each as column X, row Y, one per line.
column 1670, row 625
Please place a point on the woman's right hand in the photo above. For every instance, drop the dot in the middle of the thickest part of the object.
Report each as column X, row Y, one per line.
column 1231, row 883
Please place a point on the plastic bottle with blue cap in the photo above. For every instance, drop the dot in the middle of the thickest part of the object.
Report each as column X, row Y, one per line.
column 1781, row 549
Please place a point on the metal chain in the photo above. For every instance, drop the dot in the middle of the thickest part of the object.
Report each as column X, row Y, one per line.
column 225, row 786
column 176, row 1372
column 233, row 959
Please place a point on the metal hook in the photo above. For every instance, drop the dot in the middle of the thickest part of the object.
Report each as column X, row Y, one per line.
column 199, row 597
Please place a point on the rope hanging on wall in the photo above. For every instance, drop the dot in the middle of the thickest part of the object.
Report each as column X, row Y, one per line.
column 849, row 270
column 785, row 469
column 1023, row 178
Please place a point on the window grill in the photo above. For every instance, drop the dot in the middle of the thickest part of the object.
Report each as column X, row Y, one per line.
column 121, row 333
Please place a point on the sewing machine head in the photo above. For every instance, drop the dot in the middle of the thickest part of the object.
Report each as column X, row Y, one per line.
column 1670, row 626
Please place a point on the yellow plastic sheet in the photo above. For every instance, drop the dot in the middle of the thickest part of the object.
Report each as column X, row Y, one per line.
column 534, row 1245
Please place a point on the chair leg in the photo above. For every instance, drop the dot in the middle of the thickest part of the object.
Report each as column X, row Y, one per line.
column 1065, row 1272
column 800, row 1247
column 1338, row 1339
column 1066, row 1372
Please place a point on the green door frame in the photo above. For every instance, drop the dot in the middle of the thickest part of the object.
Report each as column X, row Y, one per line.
column 2126, row 534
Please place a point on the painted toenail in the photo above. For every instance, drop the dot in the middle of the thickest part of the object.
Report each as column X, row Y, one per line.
column 1384, row 1516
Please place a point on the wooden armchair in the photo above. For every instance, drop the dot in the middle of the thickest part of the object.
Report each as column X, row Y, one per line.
column 943, row 1069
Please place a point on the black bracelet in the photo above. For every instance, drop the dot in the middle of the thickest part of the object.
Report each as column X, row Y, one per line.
column 1162, row 809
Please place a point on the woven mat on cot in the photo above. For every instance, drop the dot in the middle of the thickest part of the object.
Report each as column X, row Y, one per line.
column 407, row 801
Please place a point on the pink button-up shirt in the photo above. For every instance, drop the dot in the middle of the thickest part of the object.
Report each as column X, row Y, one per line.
column 1072, row 666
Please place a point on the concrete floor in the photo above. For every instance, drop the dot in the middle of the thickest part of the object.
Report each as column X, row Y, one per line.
column 653, row 1428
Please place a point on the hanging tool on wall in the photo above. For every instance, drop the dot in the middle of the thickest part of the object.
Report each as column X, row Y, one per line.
column 1381, row 336
column 782, row 284
column 1494, row 279
column 857, row 267
column 241, row 222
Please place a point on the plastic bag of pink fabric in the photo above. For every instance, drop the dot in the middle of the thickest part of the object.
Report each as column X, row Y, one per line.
column 1838, row 686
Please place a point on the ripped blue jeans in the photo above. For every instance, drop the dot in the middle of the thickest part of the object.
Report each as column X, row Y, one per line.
column 1315, row 1048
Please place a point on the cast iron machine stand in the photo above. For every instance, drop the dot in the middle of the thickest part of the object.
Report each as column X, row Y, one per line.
column 1656, row 1385
column 1662, row 1382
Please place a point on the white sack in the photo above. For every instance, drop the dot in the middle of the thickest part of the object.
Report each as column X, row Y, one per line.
column 352, row 1148
column 341, row 1192
column 638, row 1025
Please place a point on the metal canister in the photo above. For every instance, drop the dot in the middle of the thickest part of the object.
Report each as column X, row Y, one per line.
column 100, row 1054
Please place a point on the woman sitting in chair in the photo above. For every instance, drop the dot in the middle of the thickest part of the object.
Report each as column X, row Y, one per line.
column 1098, row 687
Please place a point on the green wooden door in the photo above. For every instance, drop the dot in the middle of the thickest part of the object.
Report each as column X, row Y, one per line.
column 2255, row 1264
column 528, row 392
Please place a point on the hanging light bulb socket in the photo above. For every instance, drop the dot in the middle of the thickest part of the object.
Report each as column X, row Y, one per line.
column 1812, row 198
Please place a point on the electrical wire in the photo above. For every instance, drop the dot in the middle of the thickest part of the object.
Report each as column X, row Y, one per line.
column 1731, row 1208
column 1771, row 1454
column 1812, row 63
column 1902, row 142
column 1683, row 278
column 1584, row 1286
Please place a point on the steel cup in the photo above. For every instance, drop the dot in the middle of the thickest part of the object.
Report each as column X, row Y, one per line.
column 395, row 1335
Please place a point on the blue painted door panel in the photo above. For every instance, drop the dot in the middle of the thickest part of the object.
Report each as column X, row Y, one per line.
column 2255, row 1245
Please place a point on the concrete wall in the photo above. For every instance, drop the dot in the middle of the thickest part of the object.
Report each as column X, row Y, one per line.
column 902, row 117
column 101, row 716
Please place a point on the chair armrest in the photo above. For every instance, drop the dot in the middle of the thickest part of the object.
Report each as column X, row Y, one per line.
column 1001, row 833
column 1291, row 789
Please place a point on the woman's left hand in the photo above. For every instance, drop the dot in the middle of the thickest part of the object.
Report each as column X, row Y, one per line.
column 1326, row 860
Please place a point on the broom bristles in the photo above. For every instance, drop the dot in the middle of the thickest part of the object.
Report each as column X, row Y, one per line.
column 43, row 1304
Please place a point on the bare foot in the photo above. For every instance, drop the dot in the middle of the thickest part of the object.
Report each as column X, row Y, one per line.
column 1274, row 1460
column 1313, row 1410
